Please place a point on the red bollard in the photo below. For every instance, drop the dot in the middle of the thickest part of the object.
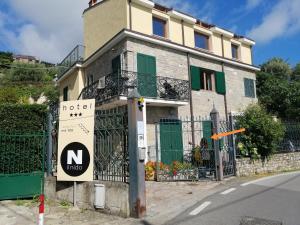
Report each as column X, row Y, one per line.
column 41, row 209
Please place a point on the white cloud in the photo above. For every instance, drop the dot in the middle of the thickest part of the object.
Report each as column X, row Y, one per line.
column 49, row 28
column 251, row 4
column 283, row 20
column 205, row 13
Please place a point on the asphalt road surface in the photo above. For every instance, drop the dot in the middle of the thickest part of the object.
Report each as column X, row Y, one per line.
column 272, row 200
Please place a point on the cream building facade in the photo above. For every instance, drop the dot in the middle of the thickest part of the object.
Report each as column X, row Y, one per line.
column 179, row 64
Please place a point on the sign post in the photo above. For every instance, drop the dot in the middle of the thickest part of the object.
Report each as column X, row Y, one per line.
column 76, row 141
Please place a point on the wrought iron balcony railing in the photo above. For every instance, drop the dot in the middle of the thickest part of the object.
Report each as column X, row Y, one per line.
column 119, row 84
column 75, row 56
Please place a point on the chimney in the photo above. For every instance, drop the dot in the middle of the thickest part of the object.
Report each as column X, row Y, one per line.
column 92, row 2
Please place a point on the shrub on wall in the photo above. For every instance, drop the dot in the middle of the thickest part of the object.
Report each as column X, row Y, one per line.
column 22, row 118
column 263, row 133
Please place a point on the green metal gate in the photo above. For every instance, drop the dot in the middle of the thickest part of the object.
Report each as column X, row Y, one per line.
column 21, row 165
column 171, row 141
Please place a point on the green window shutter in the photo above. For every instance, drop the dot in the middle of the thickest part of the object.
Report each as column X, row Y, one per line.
column 207, row 132
column 195, row 78
column 249, row 88
column 146, row 67
column 220, row 83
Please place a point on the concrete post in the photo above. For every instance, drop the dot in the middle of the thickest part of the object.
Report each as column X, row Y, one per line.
column 136, row 145
column 215, row 117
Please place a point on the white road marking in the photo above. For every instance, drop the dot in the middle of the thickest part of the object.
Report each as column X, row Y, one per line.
column 199, row 208
column 267, row 178
column 228, row 191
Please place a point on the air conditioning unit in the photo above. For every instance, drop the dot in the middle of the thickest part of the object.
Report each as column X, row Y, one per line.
column 101, row 83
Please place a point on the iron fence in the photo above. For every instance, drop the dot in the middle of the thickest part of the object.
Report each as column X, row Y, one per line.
column 22, row 165
column 111, row 145
column 183, row 151
column 119, row 84
column 227, row 148
column 75, row 56
column 291, row 139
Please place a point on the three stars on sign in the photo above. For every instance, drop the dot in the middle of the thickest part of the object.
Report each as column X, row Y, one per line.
column 75, row 114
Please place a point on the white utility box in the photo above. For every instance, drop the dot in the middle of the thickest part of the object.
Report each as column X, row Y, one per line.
column 99, row 202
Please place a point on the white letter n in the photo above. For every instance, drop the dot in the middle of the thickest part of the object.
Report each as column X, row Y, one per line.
column 77, row 158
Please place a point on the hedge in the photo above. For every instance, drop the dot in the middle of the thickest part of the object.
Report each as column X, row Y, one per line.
column 22, row 118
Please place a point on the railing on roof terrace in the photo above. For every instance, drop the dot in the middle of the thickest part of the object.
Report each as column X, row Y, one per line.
column 119, row 84
column 75, row 56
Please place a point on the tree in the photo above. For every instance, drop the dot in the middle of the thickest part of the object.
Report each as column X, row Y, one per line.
column 293, row 111
column 6, row 59
column 273, row 93
column 277, row 67
column 296, row 73
column 262, row 134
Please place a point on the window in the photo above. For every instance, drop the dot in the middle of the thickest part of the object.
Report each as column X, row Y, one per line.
column 207, row 80
column 116, row 64
column 159, row 27
column 249, row 88
column 204, row 79
column 235, row 51
column 65, row 94
column 90, row 80
column 201, row 41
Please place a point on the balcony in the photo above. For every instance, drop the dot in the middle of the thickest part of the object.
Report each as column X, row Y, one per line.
column 75, row 56
column 119, row 84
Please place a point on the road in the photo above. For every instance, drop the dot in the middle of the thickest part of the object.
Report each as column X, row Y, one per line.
column 271, row 200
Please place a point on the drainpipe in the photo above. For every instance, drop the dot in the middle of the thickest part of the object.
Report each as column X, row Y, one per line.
column 130, row 15
column 182, row 31
column 225, row 98
column 191, row 101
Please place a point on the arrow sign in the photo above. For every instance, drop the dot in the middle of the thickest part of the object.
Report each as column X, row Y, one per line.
column 218, row 136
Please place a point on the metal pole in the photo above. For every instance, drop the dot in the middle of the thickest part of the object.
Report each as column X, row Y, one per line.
column 191, row 101
column 215, row 117
column 74, row 193
column 157, row 152
column 233, row 142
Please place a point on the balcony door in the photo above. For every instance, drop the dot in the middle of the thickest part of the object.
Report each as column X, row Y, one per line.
column 146, row 68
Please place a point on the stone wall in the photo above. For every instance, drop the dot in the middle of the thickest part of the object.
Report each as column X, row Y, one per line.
column 174, row 64
column 277, row 163
column 116, row 195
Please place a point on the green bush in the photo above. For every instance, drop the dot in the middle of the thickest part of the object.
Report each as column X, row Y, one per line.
column 22, row 118
column 262, row 134
column 21, row 93
column 8, row 95
column 27, row 72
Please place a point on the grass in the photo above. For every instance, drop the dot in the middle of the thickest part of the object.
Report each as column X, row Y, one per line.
column 65, row 204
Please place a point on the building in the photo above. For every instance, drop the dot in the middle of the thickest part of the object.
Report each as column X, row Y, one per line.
column 25, row 59
column 181, row 65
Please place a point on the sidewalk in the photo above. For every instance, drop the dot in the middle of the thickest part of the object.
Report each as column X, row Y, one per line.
column 25, row 212
column 164, row 202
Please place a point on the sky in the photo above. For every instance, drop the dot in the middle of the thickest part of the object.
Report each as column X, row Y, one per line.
column 50, row 29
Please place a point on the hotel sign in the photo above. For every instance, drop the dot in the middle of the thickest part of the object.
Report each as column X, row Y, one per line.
column 76, row 141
